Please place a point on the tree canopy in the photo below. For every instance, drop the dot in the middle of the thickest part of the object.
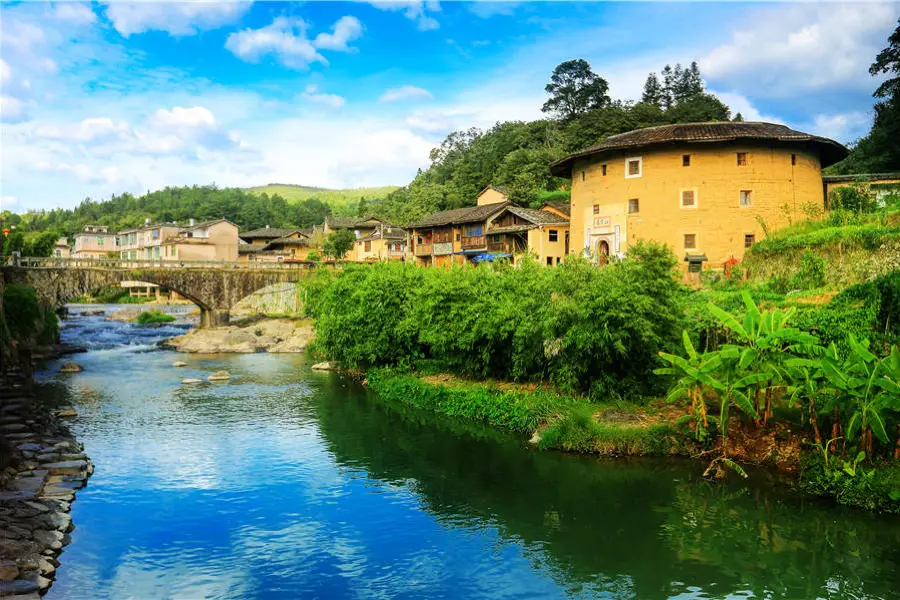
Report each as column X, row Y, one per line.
column 879, row 150
column 575, row 89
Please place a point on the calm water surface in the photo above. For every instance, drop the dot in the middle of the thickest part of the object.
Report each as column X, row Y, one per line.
column 288, row 483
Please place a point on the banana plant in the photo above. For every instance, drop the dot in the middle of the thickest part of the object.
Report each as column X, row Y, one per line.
column 693, row 372
column 764, row 338
column 868, row 386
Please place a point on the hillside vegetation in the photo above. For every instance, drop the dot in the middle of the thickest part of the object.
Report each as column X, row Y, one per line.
column 342, row 202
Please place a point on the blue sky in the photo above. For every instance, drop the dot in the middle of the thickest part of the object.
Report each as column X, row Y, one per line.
column 102, row 98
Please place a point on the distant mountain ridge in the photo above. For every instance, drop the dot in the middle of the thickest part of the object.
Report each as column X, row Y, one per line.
column 342, row 201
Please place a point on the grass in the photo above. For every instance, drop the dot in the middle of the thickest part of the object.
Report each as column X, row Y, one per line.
column 560, row 421
column 149, row 317
column 342, row 202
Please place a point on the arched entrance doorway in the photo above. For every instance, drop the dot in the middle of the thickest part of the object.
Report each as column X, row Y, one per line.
column 602, row 252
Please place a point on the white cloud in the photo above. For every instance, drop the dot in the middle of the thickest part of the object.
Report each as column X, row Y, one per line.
column 176, row 18
column 802, row 48
column 487, row 9
column 741, row 104
column 14, row 94
column 345, row 30
column 406, row 92
column 8, row 202
column 74, row 13
column 414, row 10
column 312, row 94
column 94, row 130
column 846, row 128
column 285, row 39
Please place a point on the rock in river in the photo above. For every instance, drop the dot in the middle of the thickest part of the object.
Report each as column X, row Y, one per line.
column 219, row 376
column 191, row 381
column 324, row 366
column 71, row 367
column 67, row 413
column 179, row 363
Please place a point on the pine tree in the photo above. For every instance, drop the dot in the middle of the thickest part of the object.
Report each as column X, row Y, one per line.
column 668, row 91
column 653, row 91
column 738, row 118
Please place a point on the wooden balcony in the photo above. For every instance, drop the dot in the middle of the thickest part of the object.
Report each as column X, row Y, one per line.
column 424, row 249
column 503, row 247
column 474, row 242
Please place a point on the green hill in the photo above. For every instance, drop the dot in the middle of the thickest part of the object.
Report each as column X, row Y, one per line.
column 341, row 201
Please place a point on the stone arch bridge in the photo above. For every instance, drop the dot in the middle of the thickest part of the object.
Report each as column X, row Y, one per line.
column 215, row 287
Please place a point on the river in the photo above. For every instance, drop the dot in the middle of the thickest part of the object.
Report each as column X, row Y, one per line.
column 289, row 483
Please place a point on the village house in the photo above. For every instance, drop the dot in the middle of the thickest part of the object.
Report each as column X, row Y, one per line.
column 385, row 243
column 707, row 190
column 145, row 242
column 362, row 228
column 515, row 230
column 274, row 244
column 880, row 185
column 494, row 228
column 95, row 241
column 62, row 249
column 215, row 240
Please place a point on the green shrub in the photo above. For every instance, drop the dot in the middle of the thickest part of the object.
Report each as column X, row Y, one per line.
column 27, row 320
column 850, row 483
column 585, row 329
column 812, row 272
column 149, row 317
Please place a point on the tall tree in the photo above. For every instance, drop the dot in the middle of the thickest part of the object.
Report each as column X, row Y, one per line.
column 653, row 91
column 668, row 83
column 688, row 83
column 879, row 151
column 575, row 89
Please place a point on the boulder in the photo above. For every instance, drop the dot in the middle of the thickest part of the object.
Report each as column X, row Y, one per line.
column 67, row 413
column 8, row 569
column 191, row 381
column 179, row 363
column 48, row 538
column 71, row 367
column 219, row 376
column 67, row 467
column 17, row 586
column 324, row 366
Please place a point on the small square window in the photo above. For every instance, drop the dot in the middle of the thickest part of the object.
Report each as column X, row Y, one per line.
column 746, row 198
column 634, row 206
column 549, row 261
column 685, row 160
column 458, row 236
column 633, row 167
column 553, row 235
column 690, row 241
column 596, row 209
column 582, row 175
column 603, row 170
column 793, row 159
column 368, row 247
column 688, row 200
column 749, row 240
column 742, row 159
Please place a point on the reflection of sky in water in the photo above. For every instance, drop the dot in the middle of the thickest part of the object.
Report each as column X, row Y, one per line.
column 285, row 483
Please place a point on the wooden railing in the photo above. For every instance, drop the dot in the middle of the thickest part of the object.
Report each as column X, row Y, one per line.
column 30, row 262
column 504, row 247
column 477, row 241
column 424, row 249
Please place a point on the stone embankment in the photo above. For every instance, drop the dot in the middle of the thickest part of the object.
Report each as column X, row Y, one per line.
column 263, row 335
column 43, row 466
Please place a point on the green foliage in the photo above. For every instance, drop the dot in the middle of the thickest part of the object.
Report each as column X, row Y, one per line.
column 875, row 488
column 150, row 317
column 338, row 243
column 812, row 272
column 321, row 201
column 881, row 299
column 879, row 152
column 28, row 322
column 584, row 329
column 313, row 255
column 575, row 89
column 869, row 235
column 857, row 198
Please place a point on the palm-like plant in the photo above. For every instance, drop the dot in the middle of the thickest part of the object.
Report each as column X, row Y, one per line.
column 869, row 387
column 764, row 338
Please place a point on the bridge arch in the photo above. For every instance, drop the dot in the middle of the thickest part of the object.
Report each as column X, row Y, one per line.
column 214, row 287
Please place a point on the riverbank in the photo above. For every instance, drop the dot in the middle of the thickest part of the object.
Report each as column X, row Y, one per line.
column 43, row 467
column 554, row 421
column 261, row 334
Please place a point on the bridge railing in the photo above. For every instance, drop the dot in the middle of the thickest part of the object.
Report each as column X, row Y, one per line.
column 32, row 262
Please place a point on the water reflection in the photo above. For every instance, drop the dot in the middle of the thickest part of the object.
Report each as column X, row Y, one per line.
column 285, row 483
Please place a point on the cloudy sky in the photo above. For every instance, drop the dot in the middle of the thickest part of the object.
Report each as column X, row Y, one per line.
column 103, row 98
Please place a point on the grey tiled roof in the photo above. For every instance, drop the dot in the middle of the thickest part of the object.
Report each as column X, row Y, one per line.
column 470, row 214
column 268, row 233
column 688, row 133
column 538, row 217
